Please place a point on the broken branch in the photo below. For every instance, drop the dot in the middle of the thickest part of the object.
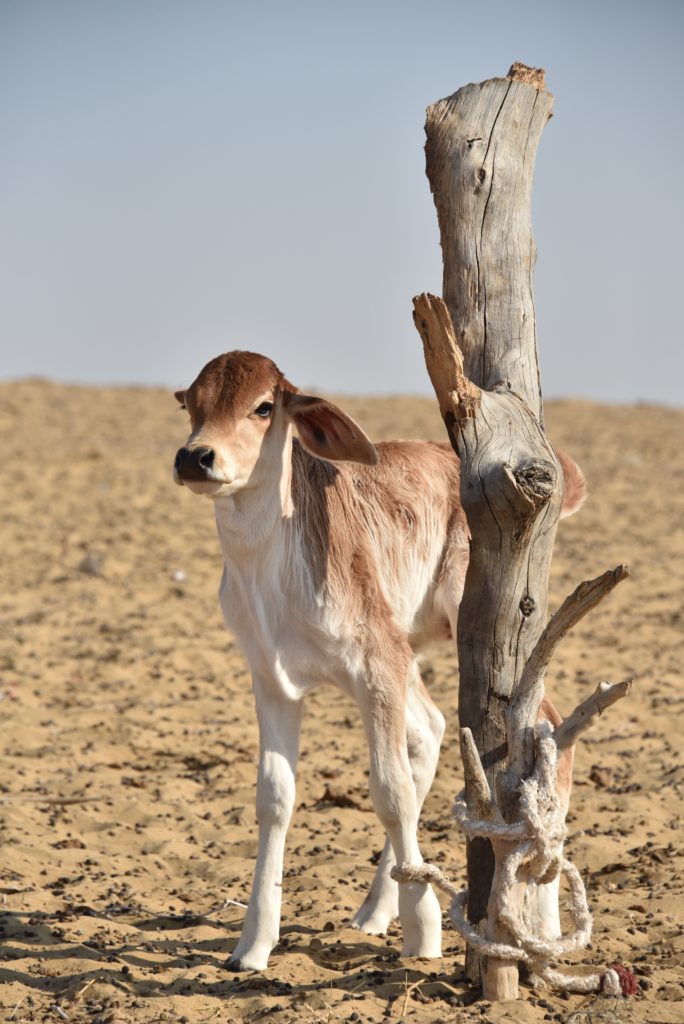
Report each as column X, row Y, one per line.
column 585, row 597
column 457, row 396
column 585, row 714
column 524, row 707
column 478, row 793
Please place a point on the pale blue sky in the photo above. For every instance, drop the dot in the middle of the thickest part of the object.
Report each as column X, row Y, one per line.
column 180, row 178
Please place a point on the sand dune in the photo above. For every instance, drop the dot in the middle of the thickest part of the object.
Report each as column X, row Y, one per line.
column 128, row 742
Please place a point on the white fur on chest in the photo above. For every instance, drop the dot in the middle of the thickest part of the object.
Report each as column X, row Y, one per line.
column 289, row 634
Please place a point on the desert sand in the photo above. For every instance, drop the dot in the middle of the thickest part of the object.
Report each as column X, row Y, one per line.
column 128, row 744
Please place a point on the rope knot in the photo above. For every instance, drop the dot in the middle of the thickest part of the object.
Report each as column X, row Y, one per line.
column 529, row 850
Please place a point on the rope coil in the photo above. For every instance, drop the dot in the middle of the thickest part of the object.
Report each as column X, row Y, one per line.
column 530, row 851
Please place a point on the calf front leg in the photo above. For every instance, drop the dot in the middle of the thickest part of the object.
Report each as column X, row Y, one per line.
column 279, row 724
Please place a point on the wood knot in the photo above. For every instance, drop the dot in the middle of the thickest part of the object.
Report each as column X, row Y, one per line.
column 527, row 605
column 537, row 480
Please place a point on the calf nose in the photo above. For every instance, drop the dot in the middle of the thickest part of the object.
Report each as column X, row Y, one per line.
column 194, row 463
column 205, row 457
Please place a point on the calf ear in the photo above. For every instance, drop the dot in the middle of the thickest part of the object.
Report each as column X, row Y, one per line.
column 575, row 490
column 327, row 432
column 180, row 398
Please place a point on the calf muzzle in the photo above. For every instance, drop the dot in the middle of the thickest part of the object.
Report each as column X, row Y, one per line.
column 194, row 463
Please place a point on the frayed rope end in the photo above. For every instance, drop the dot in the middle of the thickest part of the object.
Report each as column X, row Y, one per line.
column 619, row 981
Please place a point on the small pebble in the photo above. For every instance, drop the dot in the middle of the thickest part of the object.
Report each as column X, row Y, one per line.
column 91, row 564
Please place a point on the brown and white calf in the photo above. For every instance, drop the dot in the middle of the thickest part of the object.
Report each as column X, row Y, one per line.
column 343, row 559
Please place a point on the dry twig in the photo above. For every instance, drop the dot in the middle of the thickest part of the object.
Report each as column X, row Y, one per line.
column 584, row 715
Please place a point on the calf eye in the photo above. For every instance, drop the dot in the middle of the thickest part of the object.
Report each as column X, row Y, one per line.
column 264, row 410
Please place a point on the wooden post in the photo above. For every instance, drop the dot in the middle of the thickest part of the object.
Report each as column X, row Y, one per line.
column 480, row 152
column 481, row 353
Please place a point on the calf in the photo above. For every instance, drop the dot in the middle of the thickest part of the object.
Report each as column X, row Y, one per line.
column 343, row 559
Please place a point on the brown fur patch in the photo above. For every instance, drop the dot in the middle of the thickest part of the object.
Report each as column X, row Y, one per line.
column 229, row 386
column 356, row 523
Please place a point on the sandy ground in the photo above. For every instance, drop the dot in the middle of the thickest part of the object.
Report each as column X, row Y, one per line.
column 128, row 742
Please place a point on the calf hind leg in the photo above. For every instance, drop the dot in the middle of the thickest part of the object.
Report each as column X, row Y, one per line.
column 403, row 765
column 381, row 904
column 424, row 732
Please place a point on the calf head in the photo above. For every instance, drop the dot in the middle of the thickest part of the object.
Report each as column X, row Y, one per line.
column 241, row 410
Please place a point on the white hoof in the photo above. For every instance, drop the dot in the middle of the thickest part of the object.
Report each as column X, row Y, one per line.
column 250, row 960
column 372, row 921
column 379, row 909
column 428, row 947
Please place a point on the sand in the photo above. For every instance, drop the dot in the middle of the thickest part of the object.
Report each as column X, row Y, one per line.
column 128, row 743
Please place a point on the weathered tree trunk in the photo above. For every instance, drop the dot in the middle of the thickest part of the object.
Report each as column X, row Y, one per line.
column 481, row 147
column 481, row 353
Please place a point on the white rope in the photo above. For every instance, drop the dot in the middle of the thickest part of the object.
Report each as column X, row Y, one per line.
column 529, row 851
